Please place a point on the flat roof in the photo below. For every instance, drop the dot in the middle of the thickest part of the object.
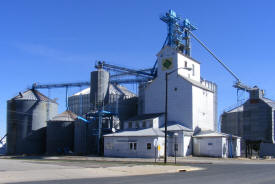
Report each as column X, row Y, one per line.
column 148, row 132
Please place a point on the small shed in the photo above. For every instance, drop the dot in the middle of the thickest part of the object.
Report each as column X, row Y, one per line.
column 215, row 144
column 179, row 139
column 135, row 143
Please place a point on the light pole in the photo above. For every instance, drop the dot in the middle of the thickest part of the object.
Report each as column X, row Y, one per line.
column 166, row 109
column 176, row 146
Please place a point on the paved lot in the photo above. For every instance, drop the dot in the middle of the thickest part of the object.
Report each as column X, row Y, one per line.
column 18, row 170
column 205, row 170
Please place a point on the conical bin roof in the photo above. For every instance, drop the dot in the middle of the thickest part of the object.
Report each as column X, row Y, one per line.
column 64, row 117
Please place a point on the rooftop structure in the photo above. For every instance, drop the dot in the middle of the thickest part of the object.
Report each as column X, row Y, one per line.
column 191, row 100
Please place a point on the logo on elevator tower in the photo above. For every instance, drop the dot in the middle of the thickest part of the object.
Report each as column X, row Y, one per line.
column 167, row 63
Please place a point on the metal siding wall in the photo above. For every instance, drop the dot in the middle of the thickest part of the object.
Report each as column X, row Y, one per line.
column 257, row 122
column 203, row 109
column 80, row 138
column 126, row 108
column 181, row 62
column 79, row 104
column 215, row 108
column 120, row 147
column 60, row 136
column 201, row 147
column 267, row 149
column 253, row 123
column 230, row 123
column 179, row 101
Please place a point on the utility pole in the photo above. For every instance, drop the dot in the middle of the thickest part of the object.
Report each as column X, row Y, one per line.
column 165, row 123
column 166, row 109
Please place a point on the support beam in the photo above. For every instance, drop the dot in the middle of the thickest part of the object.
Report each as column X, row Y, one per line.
column 102, row 64
column 80, row 84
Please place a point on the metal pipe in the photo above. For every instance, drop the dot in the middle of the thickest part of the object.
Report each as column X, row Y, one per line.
column 204, row 46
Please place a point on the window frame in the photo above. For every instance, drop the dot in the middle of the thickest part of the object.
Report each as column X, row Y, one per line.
column 149, row 146
column 144, row 124
column 130, row 123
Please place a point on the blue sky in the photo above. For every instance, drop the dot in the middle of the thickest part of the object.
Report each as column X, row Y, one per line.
column 55, row 41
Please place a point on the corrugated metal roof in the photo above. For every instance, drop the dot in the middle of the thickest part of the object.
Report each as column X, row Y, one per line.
column 65, row 116
column 136, row 133
column 32, row 94
column 113, row 89
column 271, row 103
column 175, row 126
column 125, row 91
column 213, row 134
column 145, row 116
column 236, row 109
column 82, row 92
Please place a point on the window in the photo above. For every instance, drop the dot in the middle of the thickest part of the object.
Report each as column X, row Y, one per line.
column 185, row 64
column 210, row 144
column 144, row 124
column 137, row 124
column 193, row 69
column 130, row 125
column 151, row 124
column 148, row 146
column 133, row 146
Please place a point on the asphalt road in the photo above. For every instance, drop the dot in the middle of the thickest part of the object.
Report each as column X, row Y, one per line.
column 214, row 174
column 260, row 173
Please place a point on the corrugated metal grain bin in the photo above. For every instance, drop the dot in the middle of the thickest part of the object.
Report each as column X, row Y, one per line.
column 79, row 103
column 27, row 114
column 60, row 133
column 85, row 138
column 80, row 138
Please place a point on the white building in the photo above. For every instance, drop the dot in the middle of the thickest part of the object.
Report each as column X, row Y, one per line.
column 213, row 144
column 192, row 108
column 178, row 135
column 191, row 100
column 179, row 139
column 134, row 143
